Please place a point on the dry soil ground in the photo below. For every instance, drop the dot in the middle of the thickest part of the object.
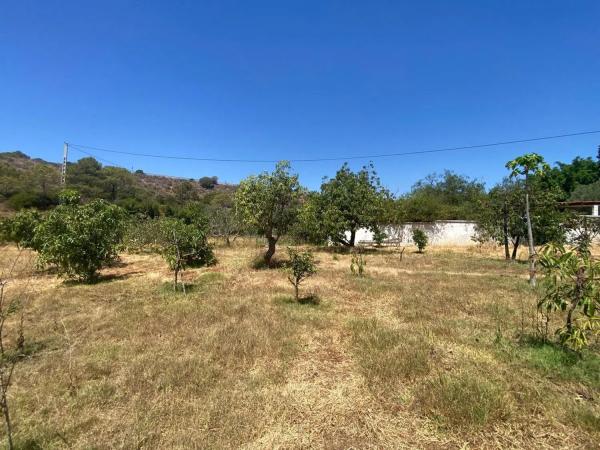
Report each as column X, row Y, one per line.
column 434, row 351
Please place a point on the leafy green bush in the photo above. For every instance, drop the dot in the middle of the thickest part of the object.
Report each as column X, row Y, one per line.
column 26, row 199
column 300, row 267
column 80, row 239
column 183, row 245
column 571, row 286
column 420, row 239
column 20, row 228
column 379, row 236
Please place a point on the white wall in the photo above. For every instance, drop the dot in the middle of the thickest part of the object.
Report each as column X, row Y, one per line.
column 443, row 232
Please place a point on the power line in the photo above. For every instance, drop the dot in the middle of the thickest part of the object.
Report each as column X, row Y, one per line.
column 346, row 158
column 106, row 161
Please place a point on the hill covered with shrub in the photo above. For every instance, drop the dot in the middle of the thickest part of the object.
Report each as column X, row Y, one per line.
column 27, row 182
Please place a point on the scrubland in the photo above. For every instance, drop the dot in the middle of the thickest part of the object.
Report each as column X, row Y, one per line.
column 432, row 351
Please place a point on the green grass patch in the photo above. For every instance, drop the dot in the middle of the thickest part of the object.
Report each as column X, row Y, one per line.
column 556, row 362
column 463, row 400
column 385, row 355
column 585, row 417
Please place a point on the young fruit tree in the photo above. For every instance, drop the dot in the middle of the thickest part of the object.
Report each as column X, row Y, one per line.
column 300, row 267
column 182, row 245
column 80, row 239
column 572, row 286
column 528, row 166
column 420, row 239
column 20, row 228
column 349, row 201
column 223, row 223
column 268, row 203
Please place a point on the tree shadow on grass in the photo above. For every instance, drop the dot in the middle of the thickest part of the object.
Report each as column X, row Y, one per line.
column 259, row 263
column 102, row 278
column 309, row 300
column 340, row 250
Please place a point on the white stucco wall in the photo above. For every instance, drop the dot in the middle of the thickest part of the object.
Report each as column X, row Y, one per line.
column 443, row 232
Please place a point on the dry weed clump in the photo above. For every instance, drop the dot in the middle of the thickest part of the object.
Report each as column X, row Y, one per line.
column 386, row 356
column 463, row 399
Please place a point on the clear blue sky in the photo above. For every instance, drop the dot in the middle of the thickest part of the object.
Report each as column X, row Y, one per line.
column 285, row 80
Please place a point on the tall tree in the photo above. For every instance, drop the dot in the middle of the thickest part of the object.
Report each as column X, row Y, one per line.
column 349, row 201
column 528, row 165
column 269, row 203
column 443, row 197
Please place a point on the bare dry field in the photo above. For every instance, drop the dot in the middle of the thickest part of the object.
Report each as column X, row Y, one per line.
column 431, row 351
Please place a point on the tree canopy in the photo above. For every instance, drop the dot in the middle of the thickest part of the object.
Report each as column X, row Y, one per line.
column 268, row 203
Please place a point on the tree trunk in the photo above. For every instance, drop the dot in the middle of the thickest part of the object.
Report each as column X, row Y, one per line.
column 579, row 286
column 175, row 280
column 296, row 291
column 532, row 278
column 505, row 232
column 271, row 250
column 7, row 422
column 515, row 248
column 352, row 238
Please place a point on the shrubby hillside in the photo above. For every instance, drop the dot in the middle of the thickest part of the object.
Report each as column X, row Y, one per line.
column 34, row 183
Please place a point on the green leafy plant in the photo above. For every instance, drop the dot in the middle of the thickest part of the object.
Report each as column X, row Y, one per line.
column 358, row 263
column 420, row 239
column 20, row 228
column 80, row 239
column 349, row 201
column 269, row 204
column 571, row 286
column 182, row 245
column 528, row 165
column 300, row 267
column 379, row 236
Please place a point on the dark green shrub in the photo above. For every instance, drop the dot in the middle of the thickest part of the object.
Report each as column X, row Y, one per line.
column 420, row 239
column 20, row 228
column 379, row 236
column 80, row 239
column 25, row 199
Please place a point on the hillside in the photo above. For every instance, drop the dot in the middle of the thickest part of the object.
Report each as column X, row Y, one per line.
column 33, row 182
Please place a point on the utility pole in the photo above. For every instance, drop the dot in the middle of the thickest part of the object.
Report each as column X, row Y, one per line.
column 63, row 172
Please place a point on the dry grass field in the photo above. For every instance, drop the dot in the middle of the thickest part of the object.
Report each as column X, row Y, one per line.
column 433, row 351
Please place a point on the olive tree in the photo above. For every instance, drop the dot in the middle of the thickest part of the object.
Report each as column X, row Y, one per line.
column 268, row 203
column 528, row 165
column 80, row 239
column 349, row 201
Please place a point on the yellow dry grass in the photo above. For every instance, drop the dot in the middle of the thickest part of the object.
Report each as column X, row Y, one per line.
column 419, row 353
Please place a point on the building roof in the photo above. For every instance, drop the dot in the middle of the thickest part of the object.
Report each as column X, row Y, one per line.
column 576, row 203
